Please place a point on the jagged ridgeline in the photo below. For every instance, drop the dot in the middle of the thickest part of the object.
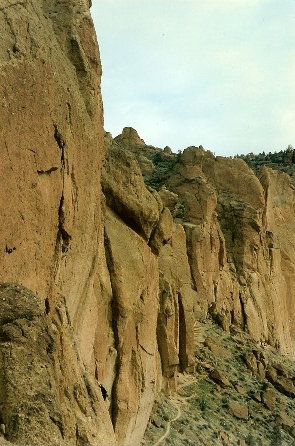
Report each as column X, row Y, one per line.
column 163, row 279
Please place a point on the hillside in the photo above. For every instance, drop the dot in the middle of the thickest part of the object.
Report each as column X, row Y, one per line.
column 241, row 393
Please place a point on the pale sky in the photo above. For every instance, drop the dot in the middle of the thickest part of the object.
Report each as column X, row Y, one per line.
column 220, row 73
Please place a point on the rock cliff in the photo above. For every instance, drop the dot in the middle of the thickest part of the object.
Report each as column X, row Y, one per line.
column 51, row 224
column 238, row 227
column 113, row 251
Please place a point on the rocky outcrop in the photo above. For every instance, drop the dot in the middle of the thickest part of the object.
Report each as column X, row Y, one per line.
column 126, row 193
column 239, row 228
column 236, row 248
column 134, row 279
column 176, row 317
column 152, row 302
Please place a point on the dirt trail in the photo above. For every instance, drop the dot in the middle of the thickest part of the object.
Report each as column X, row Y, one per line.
column 176, row 401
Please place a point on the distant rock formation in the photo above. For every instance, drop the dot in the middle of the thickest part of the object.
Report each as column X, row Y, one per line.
column 239, row 236
column 103, row 281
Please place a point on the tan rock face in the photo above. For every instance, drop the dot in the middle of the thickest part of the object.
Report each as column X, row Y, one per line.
column 51, row 221
column 239, row 410
column 151, row 299
column 239, row 240
column 106, row 289
column 126, row 193
column 134, row 279
column 176, row 317
column 51, row 145
column 239, row 231
column 130, row 138
column 52, row 151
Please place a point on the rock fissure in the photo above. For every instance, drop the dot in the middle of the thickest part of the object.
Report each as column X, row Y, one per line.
column 62, row 237
column 114, row 322
column 47, row 171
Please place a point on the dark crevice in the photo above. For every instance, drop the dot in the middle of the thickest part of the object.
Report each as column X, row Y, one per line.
column 244, row 316
column 50, row 346
column 183, row 360
column 47, row 306
column 161, row 341
column 145, row 350
column 59, row 424
column 190, row 262
column 63, row 238
column 47, row 172
column 63, row 235
column 69, row 109
column 154, row 230
column 61, row 144
column 114, row 321
column 221, row 252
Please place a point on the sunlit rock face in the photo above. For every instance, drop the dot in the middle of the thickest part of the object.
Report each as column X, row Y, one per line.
column 239, row 237
column 240, row 244
column 51, row 223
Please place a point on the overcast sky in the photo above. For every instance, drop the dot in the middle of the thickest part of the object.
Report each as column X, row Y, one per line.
column 220, row 73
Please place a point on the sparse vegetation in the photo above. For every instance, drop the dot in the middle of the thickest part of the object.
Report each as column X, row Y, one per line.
column 163, row 165
column 206, row 416
column 283, row 160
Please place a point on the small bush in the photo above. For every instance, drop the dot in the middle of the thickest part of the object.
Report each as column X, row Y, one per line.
column 202, row 404
column 250, row 440
column 276, row 437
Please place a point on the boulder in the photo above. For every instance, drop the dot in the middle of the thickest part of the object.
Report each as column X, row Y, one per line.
column 219, row 378
column 269, row 398
column 239, row 410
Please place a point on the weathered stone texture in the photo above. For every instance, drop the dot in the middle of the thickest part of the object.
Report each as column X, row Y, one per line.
column 240, row 243
column 134, row 278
